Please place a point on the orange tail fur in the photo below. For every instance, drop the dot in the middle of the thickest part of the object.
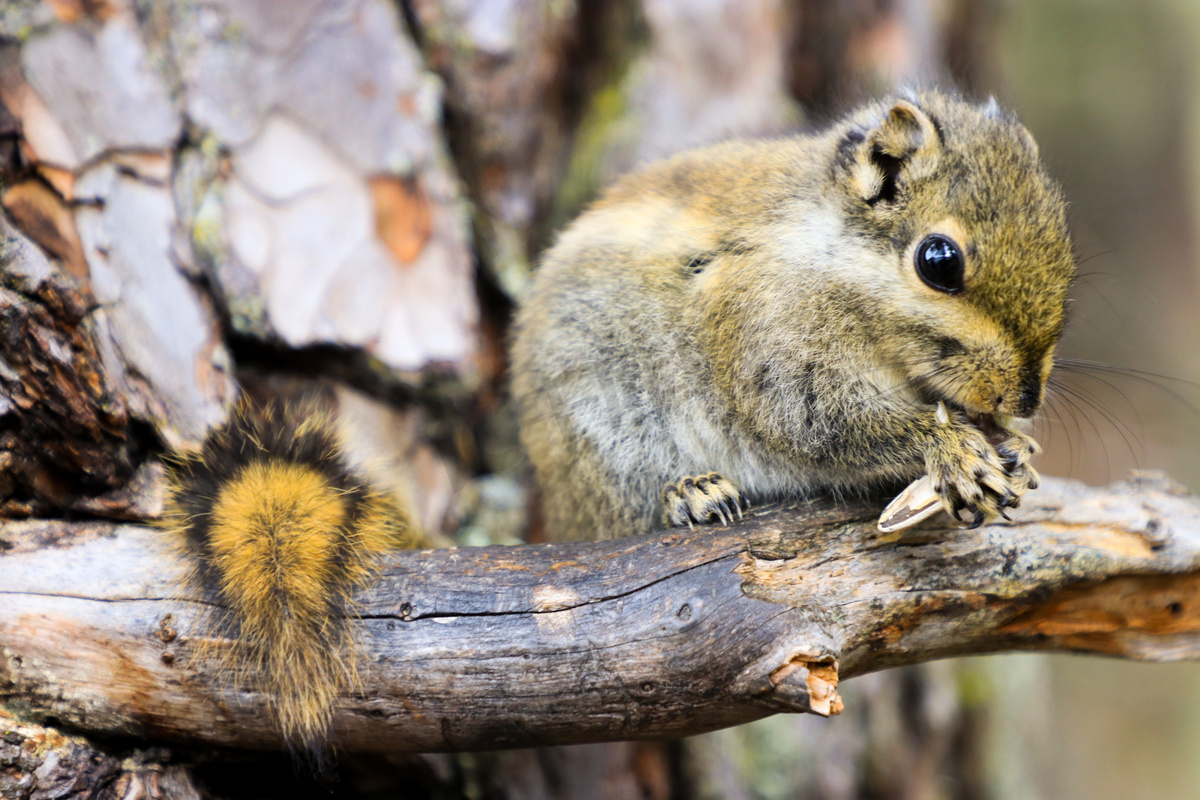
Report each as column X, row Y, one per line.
column 282, row 533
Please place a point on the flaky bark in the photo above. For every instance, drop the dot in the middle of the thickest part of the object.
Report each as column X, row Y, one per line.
column 39, row 764
column 660, row 635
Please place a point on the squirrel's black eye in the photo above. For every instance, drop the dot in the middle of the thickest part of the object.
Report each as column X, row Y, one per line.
column 939, row 263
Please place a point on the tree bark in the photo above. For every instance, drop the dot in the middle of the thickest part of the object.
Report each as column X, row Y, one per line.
column 655, row 636
column 40, row 764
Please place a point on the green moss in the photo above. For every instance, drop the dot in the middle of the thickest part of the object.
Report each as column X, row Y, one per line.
column 604, row 123
column 975, row 687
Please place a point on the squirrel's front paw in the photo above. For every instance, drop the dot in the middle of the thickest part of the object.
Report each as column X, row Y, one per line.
column 702, row 499
column 1016, row 452
column 972, row 474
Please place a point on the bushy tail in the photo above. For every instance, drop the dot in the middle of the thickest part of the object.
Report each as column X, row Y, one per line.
column 282, row 533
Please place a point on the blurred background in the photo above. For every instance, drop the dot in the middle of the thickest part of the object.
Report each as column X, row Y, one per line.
column 1110, row 91
column 345, row 199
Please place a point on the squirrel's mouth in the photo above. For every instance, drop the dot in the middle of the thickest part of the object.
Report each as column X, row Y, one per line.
column 987, row 425
column 985, row 422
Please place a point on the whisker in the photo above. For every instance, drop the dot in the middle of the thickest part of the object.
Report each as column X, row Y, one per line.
column 1129, row 404
column 1073, row 428
column 1121, row 427
column 1081, row 366
column 1074, row 415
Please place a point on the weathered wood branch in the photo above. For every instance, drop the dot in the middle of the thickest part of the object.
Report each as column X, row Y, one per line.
column 659, row 635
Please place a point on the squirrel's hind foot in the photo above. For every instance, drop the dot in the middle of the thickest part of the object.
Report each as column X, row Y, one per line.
column 700, row 499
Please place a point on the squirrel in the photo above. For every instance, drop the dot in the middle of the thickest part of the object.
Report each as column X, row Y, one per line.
column 826, row 313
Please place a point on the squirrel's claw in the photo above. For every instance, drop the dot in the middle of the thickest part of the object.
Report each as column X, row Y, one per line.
column 1016, row 451
column 701, row 499
column 972, row 474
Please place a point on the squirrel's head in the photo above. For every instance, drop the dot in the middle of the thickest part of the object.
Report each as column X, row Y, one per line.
column 969, row 238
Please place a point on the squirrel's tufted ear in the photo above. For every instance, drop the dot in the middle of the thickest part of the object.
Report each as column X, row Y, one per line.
column 906, row 140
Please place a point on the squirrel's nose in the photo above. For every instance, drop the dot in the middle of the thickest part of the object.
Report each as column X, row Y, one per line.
column 1031, row 397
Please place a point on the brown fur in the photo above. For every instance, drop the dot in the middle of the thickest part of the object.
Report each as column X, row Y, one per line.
column 752, row 309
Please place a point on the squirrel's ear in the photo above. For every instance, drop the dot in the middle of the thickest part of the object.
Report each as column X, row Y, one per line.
column 993, row 110
column 905, row 140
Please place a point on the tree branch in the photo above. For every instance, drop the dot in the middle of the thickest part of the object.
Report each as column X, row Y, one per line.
column 660, row 635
